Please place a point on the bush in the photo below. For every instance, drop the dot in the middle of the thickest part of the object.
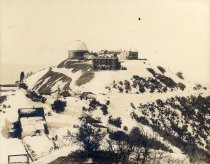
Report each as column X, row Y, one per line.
column 65, row 93
column 133, row 106
column 197, row 87
column 104, row 109
column 115, row 121
column 118, row 136
column 161, row 69
column 143, row 120
column 167, row 81
column 89, row 119
column 94, row 103
column 167, row 122
column 23, row 85
column 90, row 138
column 123, row 68
column 34, row 96
column 107, row 102
column 59, row 106
column 141, row 89
column 127, row 85
column 180, row 75
column 125, row 128
column 151, row 71
column 120, row 89
column 181, row 86
column 121, row 83
column 2, row 99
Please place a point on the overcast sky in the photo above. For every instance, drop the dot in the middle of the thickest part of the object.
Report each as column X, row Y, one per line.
column 174, row 33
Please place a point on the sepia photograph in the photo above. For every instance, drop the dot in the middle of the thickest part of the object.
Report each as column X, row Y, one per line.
column 104, row 82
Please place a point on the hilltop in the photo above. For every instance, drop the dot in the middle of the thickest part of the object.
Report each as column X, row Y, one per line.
column 165, row 106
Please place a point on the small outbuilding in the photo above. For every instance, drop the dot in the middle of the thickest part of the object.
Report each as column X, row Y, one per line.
column 32, row 122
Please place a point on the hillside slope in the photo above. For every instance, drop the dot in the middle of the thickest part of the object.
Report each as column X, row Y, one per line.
column 156, row 100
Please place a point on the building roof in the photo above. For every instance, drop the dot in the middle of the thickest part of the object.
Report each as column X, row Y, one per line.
column 31, row 120
column 31, row 124
column 106, row 56
column 31, row 112
column 77, row 45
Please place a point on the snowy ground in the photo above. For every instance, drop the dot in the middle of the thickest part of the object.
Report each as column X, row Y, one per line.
column 60, row 124
column 41, row 145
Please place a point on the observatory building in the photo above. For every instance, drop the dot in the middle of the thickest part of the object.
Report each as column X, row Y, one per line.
column 77, row 50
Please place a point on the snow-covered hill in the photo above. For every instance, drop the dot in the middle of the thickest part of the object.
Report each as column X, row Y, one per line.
column 160, row 102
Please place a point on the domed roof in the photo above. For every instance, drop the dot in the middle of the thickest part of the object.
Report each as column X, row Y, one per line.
column 78, row 45
column 133, row 49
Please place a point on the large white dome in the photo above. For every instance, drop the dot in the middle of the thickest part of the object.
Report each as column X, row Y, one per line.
column 77, row 45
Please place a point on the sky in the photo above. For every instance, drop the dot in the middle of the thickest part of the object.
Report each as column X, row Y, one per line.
column 37, row 33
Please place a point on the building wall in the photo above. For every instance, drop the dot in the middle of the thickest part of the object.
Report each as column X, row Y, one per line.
column 76, row 54
column 132, row 55
column 106, row 64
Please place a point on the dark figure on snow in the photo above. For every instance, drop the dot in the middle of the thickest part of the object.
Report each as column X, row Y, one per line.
column 22, row 76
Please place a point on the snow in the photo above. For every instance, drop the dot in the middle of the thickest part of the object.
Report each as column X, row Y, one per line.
column 31, row 80
column 56, row 154
column 38, row 144
column 22, row 159
column 7, row 148
column 60, row 124
column 69, row 73
column 31, row 124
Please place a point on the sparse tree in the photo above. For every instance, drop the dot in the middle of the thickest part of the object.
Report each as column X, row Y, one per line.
column 90, row 138
column 119, row 144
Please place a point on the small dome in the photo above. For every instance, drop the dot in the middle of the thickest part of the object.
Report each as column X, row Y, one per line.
column 133, row 49
column 78, row 45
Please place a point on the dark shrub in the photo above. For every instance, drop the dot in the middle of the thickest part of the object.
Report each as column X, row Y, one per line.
column 180, row 75
column 133, row 106
column 121, row 83
column 107, row 102
column 125, row 128
column 94, row 103
column 2, row 99
column 197, row 87
column 118, row 136
column 151, row 71
column 23, row 85
column 161, row 69
column 34, row 96
column 115, row 121
column 167, row 81
column 65, row 93
column 120, row 89
column 123, row 68
column 141, row 89
column 127, row 85
column 89, row 119
column 104, row 109
column 15, row 131
column 181, row 86
column 160, row 102
column 143, row 120
column 136, row 77
column 59, row 106
column 89, row 137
